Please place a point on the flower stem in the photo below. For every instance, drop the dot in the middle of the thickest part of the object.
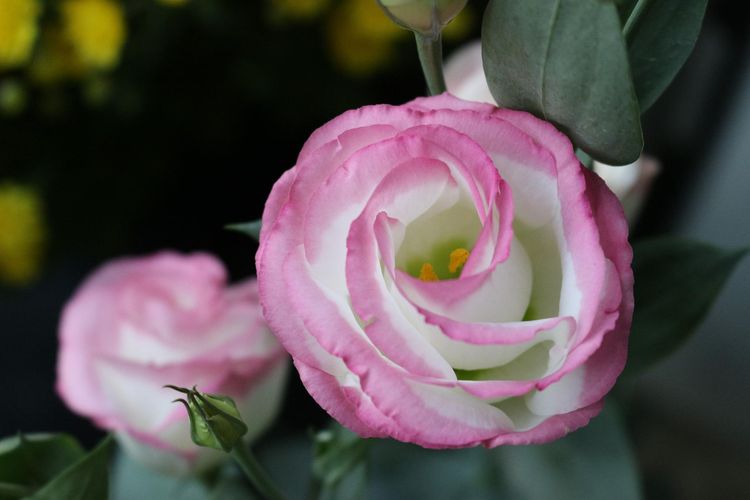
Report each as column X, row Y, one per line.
column 430, row 49
column 255, row 473
column 635, row 16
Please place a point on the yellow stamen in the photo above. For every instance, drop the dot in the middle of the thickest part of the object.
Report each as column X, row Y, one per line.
column 427, row 272
column 458, row 258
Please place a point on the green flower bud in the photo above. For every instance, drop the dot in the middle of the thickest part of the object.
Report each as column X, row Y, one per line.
column 427, row 17
column 215, row 421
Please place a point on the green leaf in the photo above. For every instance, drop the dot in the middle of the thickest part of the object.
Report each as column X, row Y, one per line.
column 251, row 228
column 27, row 462
column 594, row 462
column 676, row 282
column 659, row 43
column 340, row 463
column 86, row 479
column 565, row 61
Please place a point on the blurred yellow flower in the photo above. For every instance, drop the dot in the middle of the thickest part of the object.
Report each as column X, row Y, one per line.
column 361, row 37
column 21, row 233
column 300, row 10
column 95, row 30
column 18, row 30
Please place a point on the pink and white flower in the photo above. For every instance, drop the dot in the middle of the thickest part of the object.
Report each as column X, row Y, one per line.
column 446, row 273
column 139, row 323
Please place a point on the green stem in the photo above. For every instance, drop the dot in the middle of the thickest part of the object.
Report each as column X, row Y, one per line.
column 14, row 490
column 430, row 49
column 635, row 16
column 255, row 473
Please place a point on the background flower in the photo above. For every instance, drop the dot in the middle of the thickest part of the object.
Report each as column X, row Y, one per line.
column 137, row 324
column 18, row 30
column 95, row 29
column 22, row 233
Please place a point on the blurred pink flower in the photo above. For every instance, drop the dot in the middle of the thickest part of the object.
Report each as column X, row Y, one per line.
column 139, row 323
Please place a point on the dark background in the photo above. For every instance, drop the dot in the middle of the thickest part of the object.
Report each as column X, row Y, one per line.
column 211, row 103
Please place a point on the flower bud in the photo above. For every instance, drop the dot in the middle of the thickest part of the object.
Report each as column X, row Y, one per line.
column 423, row 16
column 215, row 421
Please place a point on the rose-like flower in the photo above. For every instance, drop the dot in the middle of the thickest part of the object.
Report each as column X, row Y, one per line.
column 140, row 323
column 447, row 273
column 465, row 78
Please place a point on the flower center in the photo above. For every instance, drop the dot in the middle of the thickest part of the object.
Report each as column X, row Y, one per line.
column 427, row 273
column 456, row 260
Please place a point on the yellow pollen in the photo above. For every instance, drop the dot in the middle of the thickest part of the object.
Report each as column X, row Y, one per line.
column 427, row 272
column 458, row 258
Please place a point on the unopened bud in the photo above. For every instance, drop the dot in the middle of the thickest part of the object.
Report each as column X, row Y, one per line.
column 427, row 17
column 215, row 421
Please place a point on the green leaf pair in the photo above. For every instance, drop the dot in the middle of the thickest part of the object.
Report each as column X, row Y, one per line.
column 568, row 62
column 52, row 467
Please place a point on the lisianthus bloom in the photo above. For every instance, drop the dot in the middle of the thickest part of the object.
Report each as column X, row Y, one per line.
column 95, row 30
column 18, row 31
column 140, row 323
column 465, row 78
column 22, row 233
column 447, row 273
